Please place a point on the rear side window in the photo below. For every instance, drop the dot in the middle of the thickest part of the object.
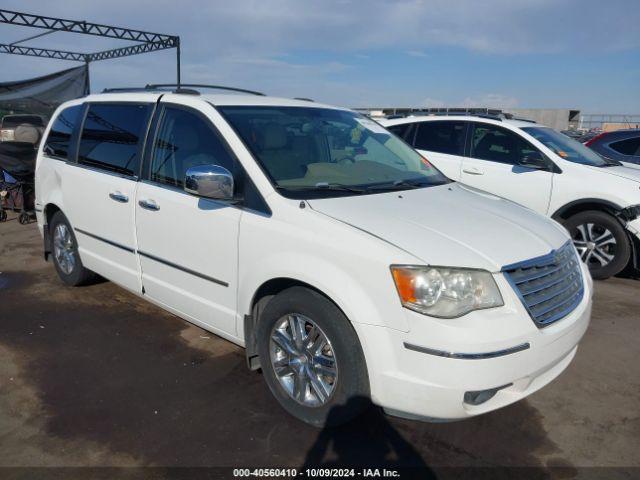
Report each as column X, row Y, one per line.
column 112, row 135
column 499, row 145
column 57, row 144
column 443, row 137
column 404, row 131
column 630, row 146
column 185, row 140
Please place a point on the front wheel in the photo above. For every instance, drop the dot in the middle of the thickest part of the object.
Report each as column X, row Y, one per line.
column 311, row 358
column 601, row 242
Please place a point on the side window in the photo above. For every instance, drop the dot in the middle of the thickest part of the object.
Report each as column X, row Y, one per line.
column 57, row 144
column 404, row 131
column 498, row 144
column 185, row 140
column 112, row 136
column 443, row 137
column 630, row 146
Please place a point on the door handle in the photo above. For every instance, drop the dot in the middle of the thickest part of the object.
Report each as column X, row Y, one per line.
column 118, row 197
column 149, row 205
column 473, row 171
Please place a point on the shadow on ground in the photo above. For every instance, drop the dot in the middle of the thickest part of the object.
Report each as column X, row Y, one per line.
column 115, row 372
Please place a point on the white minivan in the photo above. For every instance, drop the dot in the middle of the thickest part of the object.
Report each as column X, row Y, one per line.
column 349, row 267
column 595, row 198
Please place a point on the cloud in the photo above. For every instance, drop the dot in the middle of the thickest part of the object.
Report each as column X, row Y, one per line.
column 433, row 103
column 491, row 100
column 316, row 49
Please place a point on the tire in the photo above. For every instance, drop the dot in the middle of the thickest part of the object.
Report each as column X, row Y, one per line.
column 71, row 272
column 346, row 393
column 602, row 242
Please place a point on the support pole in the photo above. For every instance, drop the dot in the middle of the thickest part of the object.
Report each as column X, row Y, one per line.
column 87, row 85
column 178, row 61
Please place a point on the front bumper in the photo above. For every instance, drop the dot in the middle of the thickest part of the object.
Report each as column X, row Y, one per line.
column 634, row 227
column 426, row 385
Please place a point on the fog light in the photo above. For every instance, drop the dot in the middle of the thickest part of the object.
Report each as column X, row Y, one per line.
column 478, row 397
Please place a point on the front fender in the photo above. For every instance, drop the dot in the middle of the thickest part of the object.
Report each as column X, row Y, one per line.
column 373, row 302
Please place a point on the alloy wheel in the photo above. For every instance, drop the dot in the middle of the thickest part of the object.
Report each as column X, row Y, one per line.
column 63, row 248
column 595, row 243
column 303, row 360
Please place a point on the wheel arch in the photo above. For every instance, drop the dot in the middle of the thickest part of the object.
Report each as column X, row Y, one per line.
column 49, row 210
column 586, row 204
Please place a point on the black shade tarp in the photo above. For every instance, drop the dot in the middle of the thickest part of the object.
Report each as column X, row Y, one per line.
column 18, row 159
column 42, row 95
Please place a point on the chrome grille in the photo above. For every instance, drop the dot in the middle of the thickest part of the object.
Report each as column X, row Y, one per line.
column 550, row 287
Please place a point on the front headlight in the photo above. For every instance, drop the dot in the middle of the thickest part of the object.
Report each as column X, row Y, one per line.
column 445, row 292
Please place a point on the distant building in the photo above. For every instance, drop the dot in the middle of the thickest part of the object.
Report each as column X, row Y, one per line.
column 558, row 118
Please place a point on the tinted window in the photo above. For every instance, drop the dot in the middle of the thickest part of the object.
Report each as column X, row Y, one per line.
column 112, row 135
column 404, row 131
column 499, row 144
column 443, row 137
column 57, row 143
column 630, row 146
column 185, row 140
column 565, row 147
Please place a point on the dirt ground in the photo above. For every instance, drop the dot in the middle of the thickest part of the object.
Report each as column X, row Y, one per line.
column 94, row 376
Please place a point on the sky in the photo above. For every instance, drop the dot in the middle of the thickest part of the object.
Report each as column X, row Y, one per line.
column 582, row 54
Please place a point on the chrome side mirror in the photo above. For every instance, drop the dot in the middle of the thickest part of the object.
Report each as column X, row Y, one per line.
column 209, row 181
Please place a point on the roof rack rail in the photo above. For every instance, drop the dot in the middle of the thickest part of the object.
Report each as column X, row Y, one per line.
column 155, row 87
column 304, row 99
column 149, row 90
column 524, row 119
column 444, row 114
column 124, row 89
column 158, row 86
column 487, row 115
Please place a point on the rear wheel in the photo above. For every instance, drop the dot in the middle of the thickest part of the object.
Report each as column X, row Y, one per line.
column 65, row 253
column 601, row 242
column 311, row 358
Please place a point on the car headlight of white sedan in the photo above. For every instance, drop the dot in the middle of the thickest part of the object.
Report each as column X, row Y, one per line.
column 445, row 292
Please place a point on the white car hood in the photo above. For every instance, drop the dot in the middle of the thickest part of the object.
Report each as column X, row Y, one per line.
column 450, row 225
column 630, row 173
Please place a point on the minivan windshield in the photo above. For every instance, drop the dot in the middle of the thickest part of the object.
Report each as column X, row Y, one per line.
column 321, row 152
column 568, row 148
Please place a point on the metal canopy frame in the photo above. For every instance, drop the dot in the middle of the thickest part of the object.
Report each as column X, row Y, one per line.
column 147, row 41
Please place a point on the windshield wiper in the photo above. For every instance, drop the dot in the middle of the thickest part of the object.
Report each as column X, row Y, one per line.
column 335, row 187
column 399, row 185
column 611, row 163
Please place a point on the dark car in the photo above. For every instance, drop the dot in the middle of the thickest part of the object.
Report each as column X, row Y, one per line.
column 621, row 145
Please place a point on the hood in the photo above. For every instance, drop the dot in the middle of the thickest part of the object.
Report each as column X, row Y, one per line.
column 633, row 166
column 450, row 225
column 623, row 171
